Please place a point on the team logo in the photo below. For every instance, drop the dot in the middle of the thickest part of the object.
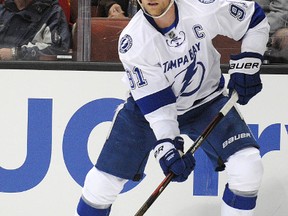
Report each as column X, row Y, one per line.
column 196, row 67
column 125, row 43
column 175, row 40
column 206, row 1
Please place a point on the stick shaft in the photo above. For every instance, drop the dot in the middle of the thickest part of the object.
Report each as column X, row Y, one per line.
column 230, row 103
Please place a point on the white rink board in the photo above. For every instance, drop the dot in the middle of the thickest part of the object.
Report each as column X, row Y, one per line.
column 56, row 193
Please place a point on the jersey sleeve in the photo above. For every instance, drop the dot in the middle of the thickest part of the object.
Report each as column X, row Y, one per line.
column 243, row 20
column 155, row 98
column 257, row 35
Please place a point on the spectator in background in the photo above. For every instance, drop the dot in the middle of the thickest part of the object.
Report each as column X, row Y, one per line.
column 119, row 8
column 277, row 50
column 32, row 28
column 277, row 14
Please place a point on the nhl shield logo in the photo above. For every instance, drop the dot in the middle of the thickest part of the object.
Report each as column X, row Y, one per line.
column 175, row 40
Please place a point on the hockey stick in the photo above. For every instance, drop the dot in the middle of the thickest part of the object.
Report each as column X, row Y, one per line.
column 225, row 109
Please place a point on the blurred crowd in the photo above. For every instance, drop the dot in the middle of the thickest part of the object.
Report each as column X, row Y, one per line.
column 54, row 20
column 30, row 29
column 277, row 14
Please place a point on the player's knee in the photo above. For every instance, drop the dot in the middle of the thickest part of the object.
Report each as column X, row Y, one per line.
column 101, row 189
column 245, row 171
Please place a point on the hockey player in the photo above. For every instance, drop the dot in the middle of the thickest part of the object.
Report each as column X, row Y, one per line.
column 176, row 87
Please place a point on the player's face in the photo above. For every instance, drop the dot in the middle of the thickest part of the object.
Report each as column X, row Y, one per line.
column 155, row 7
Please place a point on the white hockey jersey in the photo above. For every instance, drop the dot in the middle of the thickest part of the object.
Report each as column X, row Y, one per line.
column 173, row 70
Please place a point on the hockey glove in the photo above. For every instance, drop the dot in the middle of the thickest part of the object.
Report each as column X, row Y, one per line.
column 167, row 152
column 245, row 76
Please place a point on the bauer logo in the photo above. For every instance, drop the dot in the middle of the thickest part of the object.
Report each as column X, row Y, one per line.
column 248, row 65
column 234, row 138
column 157, row 152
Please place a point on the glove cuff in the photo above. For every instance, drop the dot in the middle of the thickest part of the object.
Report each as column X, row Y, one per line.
column 246, row 62
column 162, row 148
column 164, row 145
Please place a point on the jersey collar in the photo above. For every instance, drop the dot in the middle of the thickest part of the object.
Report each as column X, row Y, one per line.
column 163, row 31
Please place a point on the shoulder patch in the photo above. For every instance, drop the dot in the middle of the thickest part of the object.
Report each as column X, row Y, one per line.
column 206, row 1
column 125, row 43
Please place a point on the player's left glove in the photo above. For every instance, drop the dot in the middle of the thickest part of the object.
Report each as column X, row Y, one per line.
column 244, row 75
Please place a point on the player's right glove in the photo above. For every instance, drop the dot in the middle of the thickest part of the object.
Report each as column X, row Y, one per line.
column 167, row 152
column 245, row 76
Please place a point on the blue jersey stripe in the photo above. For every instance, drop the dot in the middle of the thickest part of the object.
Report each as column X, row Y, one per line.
column 246, row 55
column 157, row 100
column 257, row 17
